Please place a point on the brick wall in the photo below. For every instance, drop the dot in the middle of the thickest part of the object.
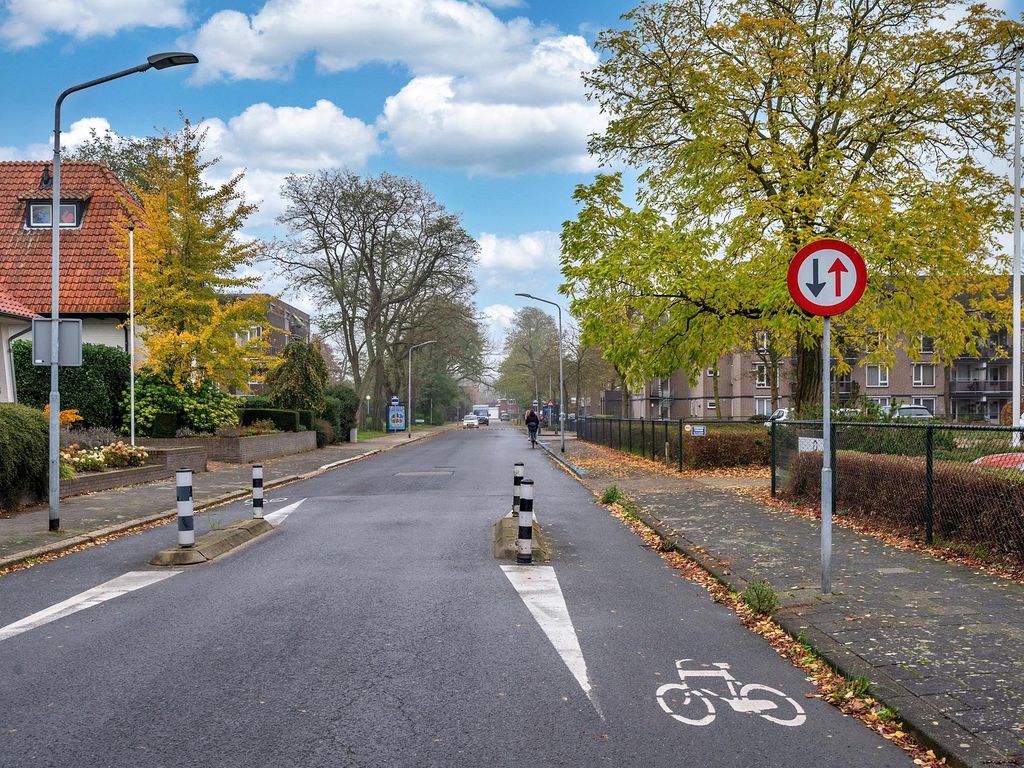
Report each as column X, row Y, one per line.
column 88, row 482
column 185, row 457
column 242, row 450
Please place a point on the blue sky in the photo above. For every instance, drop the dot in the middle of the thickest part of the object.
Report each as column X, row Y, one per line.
column 479, row 100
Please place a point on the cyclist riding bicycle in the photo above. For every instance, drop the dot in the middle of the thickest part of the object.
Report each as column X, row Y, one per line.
column 532, row 424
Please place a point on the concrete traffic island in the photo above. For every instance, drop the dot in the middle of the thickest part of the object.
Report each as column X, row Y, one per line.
column 505, row 532
column 214, row 544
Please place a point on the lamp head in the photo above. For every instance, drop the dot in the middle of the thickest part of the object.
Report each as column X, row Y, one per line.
column 171, row 59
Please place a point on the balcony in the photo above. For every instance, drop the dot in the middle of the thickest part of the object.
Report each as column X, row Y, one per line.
column 979, row 387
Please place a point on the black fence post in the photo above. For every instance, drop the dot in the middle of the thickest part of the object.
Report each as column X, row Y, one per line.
column 619, row 426
column 667, row 454
column 774, row 456
column 643, row 444
column 629, row 428
column 929, row 511
column 680, row 445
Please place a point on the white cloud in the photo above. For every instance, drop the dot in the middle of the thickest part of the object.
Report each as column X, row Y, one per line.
column 30, row 22
column 77, row 134
column 428, row 123
column 424, row 35
column 270, row 142
column 497, row 322
column 486, row 96
column 529, row 252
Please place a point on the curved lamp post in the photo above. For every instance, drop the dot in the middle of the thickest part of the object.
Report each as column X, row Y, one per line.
column 156, row 61
column 408, row 391
column 561, row 379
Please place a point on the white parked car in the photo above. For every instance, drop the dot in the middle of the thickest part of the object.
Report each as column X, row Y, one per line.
column 908, row 412
column 471, row 421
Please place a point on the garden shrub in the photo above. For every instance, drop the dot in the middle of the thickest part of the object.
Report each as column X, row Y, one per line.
column 306, row 418
column 300, row 380
column 727, row 448
column 165, row 424
column 285, row 420
column 324, row 433
column 24, row 454
column 348, row 408
column 974, row 506
column 257, row 401
column 332, row 415
column 93, row 437
column 201, row 409
column 94, row 389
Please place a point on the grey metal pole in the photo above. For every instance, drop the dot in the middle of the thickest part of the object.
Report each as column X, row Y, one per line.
column 826, row 460
column 131, row 326
column 561, row 378
column 408, row 390
column 1015, row 412
column 159, row 61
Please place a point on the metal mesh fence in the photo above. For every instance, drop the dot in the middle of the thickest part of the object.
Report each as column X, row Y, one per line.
column 957, row 486
column 681, row 443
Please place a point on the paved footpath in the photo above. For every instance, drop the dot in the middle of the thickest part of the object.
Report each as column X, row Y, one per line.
column 941, row 642
column 104, row 512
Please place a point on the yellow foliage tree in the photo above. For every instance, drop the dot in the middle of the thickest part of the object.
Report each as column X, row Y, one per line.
column 187, row 259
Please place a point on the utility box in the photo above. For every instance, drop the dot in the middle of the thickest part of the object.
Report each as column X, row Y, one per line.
column 69, row 342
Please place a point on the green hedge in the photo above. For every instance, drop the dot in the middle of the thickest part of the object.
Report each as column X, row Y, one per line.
column 347, row 408
column 974, row 506
column 94, row 389
column 202, row 409
column 285, row 420
column 24, row 455
column 306, row 419
column 727, row 448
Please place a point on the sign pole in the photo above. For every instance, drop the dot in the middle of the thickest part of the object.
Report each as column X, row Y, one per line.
column 826, row 458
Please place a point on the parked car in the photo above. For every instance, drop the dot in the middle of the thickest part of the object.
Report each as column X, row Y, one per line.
column 505, row 416
column 482, row 420
column 779, row 414
column 908, row 412
column 471, row 421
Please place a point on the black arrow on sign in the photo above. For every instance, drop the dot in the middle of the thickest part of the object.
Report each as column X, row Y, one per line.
column 816, row 286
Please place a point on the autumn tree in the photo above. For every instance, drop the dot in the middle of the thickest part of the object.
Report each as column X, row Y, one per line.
column 300, row 380
column 760, row 125
column 187, row 256
column 530, row 356
column 376, row 253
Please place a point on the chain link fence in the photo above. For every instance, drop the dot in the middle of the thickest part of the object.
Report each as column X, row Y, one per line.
column 681, row 443
column 957, row 486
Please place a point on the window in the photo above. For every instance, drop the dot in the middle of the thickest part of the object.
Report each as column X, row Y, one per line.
column 844, row 382
column 927, row 345
column 762, row 341
column 711, row 405
column 924, row 375
column 883, row 401
column 877, row 375
column 926, row 402
column 762, row 406
column 712, row 372
column 39, row 214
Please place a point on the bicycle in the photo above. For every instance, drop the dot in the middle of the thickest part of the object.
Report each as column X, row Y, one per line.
column 703, row 709
column 533, row 436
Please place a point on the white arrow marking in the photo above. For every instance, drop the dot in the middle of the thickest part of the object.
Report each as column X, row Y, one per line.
column 129, row 582
column 538, row 586
column 277, row 516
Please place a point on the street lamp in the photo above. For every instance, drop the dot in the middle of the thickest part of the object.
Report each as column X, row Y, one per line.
column 1015, row 416
column 408, row 391
column 131, row 327
column 156, row 61
column 561, row 379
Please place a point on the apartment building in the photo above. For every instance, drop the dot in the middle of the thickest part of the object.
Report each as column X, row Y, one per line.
column 968, row 389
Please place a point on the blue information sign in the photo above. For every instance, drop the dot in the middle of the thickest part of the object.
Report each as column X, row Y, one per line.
column 396, row 418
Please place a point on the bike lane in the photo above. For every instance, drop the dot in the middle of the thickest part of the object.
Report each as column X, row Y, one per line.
column 639, row 623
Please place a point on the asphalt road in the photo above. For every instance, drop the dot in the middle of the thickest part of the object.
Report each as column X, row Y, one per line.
column 373, row 628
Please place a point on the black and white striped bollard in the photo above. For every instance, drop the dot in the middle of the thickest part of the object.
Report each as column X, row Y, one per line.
column 186, row 520
column 517, row 478
column 257, row 491
column 524, row 544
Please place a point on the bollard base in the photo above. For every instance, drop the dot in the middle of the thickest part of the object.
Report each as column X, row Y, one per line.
column 213, row 544
column 503, row 540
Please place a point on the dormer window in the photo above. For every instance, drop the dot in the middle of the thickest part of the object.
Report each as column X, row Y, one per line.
column 39, row 215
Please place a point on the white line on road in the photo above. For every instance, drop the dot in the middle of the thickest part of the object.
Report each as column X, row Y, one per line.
column 129, row 582
column 538, row 586
column 277, row 516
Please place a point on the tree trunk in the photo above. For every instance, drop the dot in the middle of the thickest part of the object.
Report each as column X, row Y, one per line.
column 718, row 405
column 808, row 376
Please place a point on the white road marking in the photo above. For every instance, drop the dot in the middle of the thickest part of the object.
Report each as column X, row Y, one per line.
column 277, row 516
column 129, row 582
column 538, row 586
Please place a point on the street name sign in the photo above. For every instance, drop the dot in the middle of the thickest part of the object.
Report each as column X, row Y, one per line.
column 826, row 278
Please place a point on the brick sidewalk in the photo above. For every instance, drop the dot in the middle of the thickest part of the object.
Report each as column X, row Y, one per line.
column 85, row 515
column 941, row 642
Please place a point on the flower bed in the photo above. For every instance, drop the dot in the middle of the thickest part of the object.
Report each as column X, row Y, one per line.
column 113, row 456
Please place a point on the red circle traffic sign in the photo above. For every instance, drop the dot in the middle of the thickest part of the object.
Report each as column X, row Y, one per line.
column 827, row 277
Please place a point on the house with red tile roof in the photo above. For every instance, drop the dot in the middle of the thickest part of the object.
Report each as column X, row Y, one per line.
column 15, row 319
column 94, row 213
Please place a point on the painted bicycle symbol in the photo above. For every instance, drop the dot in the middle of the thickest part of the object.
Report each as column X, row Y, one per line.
column 693, row 706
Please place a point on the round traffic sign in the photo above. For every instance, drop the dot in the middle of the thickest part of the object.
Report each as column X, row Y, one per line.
column 827, row 277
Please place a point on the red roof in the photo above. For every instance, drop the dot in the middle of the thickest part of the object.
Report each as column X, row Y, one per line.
column 89, row 265
column 11, row 308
